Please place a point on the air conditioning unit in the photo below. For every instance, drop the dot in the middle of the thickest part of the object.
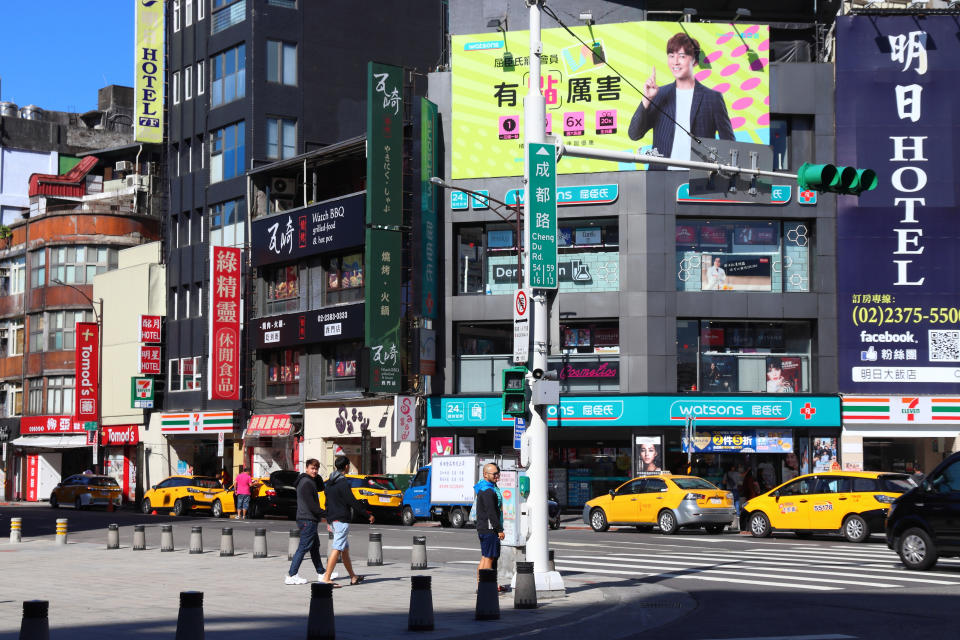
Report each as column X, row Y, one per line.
column 137, row 181
column 282, row 187
column 123, row 165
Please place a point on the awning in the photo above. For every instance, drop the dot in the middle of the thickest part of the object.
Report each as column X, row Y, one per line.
column 902, row 431
column 51, row 442
column 269, row 426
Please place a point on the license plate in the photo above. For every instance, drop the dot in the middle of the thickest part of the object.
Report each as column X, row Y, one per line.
column 715, row 501
column 382, row 499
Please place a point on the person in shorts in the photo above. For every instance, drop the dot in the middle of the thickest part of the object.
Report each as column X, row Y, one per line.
column 489, row 517
column 242, row 490
column 340, row 498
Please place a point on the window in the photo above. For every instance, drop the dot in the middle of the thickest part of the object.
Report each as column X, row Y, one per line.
column 79, row 264
column 228, row 76
column 188, row 11
column 341, row 367
column 800, row 487
column 286, row 4
column 420, row 480
column 186, row 301
column 11, row 277
column 36, row 333
column 281, row 62
column 176, row 15
column 184, row 373
column 38, row 269
column 654, row 485
column 188, row 153
column 227, row 228
column 35, row 396
column 174, row 296
column 227, row 152
column 635, row 486
column 344, row 282
column 201, row 10
column 834, row 485
column 199, row 289
column 176, row 87
column 227, row 13
column 61, row 328
column 865, row 484
column 948, row 480
column 188, row 83
column 60, row 391
column 283, row 372
column 176, row 154
column 15, row 339
column 281, row 138
column 746, row 255
column 201, row 84
column 282, row 289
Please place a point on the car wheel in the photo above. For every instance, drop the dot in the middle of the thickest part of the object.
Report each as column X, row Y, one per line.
column 407, row 517
column 53, row 501
column 179, row 507
column 916, row 549
column 555, row 523
column 216, row 509
column 759, row 525
column 667, row 522
column 856, row 529
column 715, row 529
column 78, row 504
column 145, row 506
column 644, row 528
column 458, row 518
column 598, row 520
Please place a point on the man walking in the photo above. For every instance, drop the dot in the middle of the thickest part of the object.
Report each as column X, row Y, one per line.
column 489, row 517
column 242, row 489
column 340, row 498
column 308, row 486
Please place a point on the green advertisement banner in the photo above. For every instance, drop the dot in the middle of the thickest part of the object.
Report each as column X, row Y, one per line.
column 429, row 259
column 383, row 310
column 720, row 90
column 384, row 145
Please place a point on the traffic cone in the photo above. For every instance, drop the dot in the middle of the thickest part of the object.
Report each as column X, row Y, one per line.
column 154, row 512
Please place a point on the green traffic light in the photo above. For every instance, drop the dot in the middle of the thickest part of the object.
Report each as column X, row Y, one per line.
column 834, row 179
column 819, row 177
column 866, row 180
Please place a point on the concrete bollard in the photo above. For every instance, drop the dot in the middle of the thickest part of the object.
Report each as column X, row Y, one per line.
column 35, row 625
column 16, row 526
column 525, row 592
column 375, row 550
column 551, row 565
column 488, row 602
column 320, row 623
column 293, row 543
column 226, row 542
column 421, row 604
column 260, row 543
column 196, row 540
column 166, row 537
column 418, row 559
column 61, row 531
column 190, row 618
column 113, row 536
column 139, row 538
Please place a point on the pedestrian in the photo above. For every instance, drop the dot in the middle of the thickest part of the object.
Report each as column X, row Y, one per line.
column 489, row 518
column 340, row 498
column 242, row 491
column 309, row 515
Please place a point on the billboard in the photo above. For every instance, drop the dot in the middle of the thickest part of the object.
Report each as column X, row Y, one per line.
column 87, row 371
column 898, row 295
column 590, row 104
column 385, row 144
column 149, row 73
column 226, row 289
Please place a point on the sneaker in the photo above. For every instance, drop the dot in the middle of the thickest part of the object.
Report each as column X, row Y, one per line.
column 294, row 580
column 333, row 576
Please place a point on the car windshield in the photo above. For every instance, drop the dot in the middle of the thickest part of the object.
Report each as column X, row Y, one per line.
column 206, row 483
column 692, row 483
column 381, row 483
column 897, row 484
column 103, row 481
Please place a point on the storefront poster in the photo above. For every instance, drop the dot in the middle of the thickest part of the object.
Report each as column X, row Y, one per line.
column 823, row 452
column 648, row 453
column 731, row 272
column 226, row 287
column 466, row 445
column 741, row 441
column 721, row 374
column 898, row 269
column 784, row 374
column 790, row 466
column 441, row 446
column 588, row 104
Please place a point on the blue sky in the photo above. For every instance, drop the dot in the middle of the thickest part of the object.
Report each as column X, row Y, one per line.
column 56, row 54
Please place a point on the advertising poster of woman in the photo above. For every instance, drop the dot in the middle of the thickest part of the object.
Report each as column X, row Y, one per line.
column 649, row 454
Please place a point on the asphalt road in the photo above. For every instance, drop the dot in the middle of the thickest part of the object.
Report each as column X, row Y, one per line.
column 745, row 588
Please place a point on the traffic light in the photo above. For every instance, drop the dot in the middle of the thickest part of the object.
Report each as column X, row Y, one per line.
column 830, row 178
column 516, row 394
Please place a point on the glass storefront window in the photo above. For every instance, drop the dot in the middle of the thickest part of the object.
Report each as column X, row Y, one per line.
column 283, row 372
column 344, row 279
column 282, row 293
column 341, row 367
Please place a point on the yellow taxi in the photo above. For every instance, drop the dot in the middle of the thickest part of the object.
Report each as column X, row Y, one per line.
column 275, row 494
column 181, row 494
column 87, row 490
column 667, row 501
column 854, row 503
column 381, row 495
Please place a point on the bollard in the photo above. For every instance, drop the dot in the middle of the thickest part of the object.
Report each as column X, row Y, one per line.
column 226, row 542
column 419, row 556
column 320, row 625
column 61, row 531
column 139, row 538
column 190, row 618
column 375, row 550
column 260, row 543
column 488, row 602
column 551, row 565
column 196, row 540
column 113, row 536
column 421, row 604
column 166, row 537
column 525, row 592
column 293, row 543
column 16, row 525
column 35, row 625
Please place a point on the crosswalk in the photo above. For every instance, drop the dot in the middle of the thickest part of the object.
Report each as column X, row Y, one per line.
column 804, row 567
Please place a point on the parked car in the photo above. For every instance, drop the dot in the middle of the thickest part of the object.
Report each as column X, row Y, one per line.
column 922, row 525
column 853, row 503
column 275, row 494
column 181, row 494
column 87, row 490
column 381, row 495
column 668, row 501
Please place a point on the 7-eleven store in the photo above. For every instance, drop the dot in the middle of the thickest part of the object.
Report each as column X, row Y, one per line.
column 899, row 433
column 199, row 442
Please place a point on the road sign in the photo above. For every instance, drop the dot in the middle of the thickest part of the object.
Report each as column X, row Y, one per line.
column 541, row 216
column 519, row 426
column 89, row 426
column 521, row 326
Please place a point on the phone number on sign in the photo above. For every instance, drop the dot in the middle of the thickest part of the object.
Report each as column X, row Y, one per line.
column 880, row 316
column 327, row 317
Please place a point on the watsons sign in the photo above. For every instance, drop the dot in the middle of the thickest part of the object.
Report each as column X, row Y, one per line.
column 733, row 409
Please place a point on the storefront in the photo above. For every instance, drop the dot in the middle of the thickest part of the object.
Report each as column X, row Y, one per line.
column 120, row 456
column 9, row 431
column 198, row 443
column 271, row 444
column 51, row 448
column 596, row 443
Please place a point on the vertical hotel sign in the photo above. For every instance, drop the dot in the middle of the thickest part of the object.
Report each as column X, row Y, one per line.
column 87, row 368
column 224, row 360
column 148, row 92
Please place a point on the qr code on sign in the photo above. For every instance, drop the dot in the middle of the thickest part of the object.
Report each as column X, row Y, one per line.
column 944, row 345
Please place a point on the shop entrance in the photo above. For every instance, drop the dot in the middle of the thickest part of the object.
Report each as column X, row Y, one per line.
column 890, row 454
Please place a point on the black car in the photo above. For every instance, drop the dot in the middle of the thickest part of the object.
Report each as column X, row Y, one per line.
column 924, row 524
column 279, row 496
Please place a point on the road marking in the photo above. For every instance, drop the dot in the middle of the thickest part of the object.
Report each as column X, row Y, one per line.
column 829, row 636
column 810, row 587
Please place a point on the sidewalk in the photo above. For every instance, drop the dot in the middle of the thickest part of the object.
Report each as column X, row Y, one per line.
column 95, row 593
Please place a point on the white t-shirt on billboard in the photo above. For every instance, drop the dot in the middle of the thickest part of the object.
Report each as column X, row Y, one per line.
column 681, row 140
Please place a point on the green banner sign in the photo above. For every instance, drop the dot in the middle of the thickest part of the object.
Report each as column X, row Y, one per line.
column 542, row 216
column 384, row 309
column 384, row 145
column 141, row 393
column 429, row 260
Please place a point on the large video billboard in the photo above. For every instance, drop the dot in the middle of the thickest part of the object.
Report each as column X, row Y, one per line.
column 590, row 104
column 899, row 301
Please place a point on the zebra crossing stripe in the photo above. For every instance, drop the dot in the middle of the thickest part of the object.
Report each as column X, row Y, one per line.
column 680, row 576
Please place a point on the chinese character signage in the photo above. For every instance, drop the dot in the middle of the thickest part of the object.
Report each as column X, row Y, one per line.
column 87, row 366
column 405, row 419
column 326, row 226
column 150, row 329
column 541, row 217
column 149, row 361
column 726, row 88
column 225, row 291
column 742, row 441
column 384, row 309
column 429, row 280
column 40, row 425
column 149, row 74
column 384, row 145
column 342, row 322
column 897, row 262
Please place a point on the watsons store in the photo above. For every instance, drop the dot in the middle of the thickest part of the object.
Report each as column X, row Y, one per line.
column 596, row 443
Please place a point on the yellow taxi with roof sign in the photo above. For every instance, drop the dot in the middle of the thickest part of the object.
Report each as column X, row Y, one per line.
column 181, row 494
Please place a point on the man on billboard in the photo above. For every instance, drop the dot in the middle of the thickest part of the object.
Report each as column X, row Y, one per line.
column 682, row 104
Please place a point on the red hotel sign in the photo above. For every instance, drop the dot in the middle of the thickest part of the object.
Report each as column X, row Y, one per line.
column 41, row 425
column 225, row 323
column 116, row 436
column 87, row 368
column 150, row 329
column 150, row 361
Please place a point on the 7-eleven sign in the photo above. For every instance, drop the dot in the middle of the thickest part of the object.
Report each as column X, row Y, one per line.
column 141, row 393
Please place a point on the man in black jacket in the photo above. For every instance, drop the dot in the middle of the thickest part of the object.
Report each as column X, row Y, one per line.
column 309, row 515
column 340, row 498
column 489, row 517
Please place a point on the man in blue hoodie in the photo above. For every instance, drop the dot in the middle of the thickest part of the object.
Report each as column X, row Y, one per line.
column 489, row 517
column 309, row 515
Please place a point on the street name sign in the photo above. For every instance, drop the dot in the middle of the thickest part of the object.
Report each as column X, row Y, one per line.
column 542, row 216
